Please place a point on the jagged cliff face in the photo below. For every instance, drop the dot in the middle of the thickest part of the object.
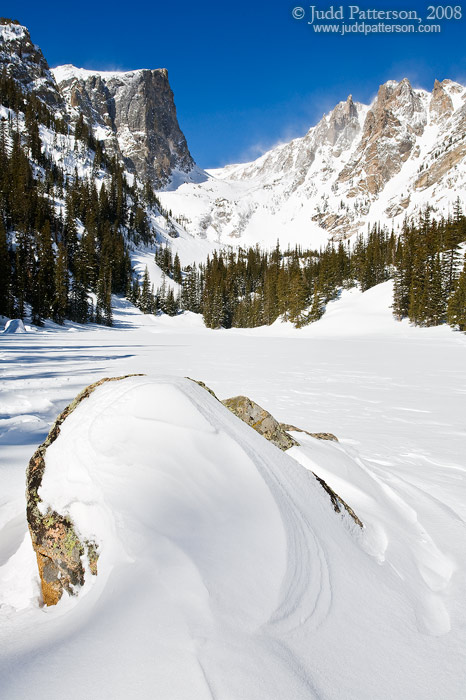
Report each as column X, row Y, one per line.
column 391, row 128
column 134, row 114
column 26, row 63
column 360, row 164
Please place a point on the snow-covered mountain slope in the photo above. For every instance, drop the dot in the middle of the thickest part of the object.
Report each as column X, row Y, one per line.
column 131, row 116
column 224, row 572
column 360, row 164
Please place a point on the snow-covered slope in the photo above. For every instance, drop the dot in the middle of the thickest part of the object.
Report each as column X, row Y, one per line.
column 359, row 164
column 224, row 571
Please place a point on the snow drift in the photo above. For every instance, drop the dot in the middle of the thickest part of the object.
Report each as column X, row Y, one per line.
column 223, row 570
column 14, row 325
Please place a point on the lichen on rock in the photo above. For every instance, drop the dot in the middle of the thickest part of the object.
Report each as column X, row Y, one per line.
column 61, row 554
column 261, row 420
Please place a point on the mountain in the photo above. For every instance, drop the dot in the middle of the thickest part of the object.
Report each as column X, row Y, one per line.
column 133, row 113
column 359, row 164
column 100, row 196
column 25, row 62
column 79, row 164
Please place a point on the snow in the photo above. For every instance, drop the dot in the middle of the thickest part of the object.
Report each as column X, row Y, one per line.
column 12, row 32
column 68, row 72
column 14, row 325
column 224, row 572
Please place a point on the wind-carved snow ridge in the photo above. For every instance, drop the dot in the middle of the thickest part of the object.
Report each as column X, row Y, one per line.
column 359, row 165
column 223, row 569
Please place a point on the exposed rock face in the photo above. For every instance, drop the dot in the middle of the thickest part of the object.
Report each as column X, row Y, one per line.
column 59, row 550
column 134, row 114
column 264, row 423
column 338, row 503
column 25, row 62
column 441, row 104
column 204, row 386
column 261, row 420
column 392, row 124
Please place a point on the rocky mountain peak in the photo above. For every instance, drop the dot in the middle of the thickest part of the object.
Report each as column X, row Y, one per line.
column 441, row 104
column 135, row 115
column 343, row 125
column 394, row 120
column 25, row 62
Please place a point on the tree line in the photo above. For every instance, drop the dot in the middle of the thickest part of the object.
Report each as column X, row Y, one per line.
column 253, row 287
column 65, row 239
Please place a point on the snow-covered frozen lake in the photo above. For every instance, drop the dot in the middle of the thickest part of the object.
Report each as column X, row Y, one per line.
column 395, row 396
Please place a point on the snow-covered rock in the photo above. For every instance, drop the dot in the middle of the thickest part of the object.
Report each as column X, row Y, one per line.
column 25, row 62
column 225, row 571
column 14, row 325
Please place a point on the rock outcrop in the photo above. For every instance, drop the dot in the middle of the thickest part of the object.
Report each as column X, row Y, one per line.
column 319, row 436
column 392, row 125
column 62, row 555
column 261, row 420
column 134, row 114
column 25, row 62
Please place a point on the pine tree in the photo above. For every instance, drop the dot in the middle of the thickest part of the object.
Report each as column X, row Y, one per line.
column 177, row 276
column 103, row 310
column 5, row 291
column 190, row 294
column 456, row 314
column 436, row 301
column 146, row 297
column 317, row 306
column 60, row 301
column 43, row 295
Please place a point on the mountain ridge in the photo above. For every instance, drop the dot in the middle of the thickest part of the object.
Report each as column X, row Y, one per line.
column 360, row 164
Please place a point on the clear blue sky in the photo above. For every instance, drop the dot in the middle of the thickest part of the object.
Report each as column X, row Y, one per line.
column 245, row 74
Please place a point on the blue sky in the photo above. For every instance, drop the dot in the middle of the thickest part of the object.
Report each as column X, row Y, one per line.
column 246, row 74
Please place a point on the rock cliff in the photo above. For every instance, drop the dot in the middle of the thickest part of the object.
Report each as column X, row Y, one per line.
column 134, row 114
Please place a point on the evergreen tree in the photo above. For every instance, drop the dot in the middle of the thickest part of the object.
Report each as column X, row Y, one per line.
column 177, row 276
column 43, row 296
column 146, row 297
column 5, row 291
column 103, row 310
column 457, row 304
column 60, row 301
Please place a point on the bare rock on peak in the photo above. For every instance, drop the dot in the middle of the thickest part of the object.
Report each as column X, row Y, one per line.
column 441, row 104
column 136, row 116
column 25, row 62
